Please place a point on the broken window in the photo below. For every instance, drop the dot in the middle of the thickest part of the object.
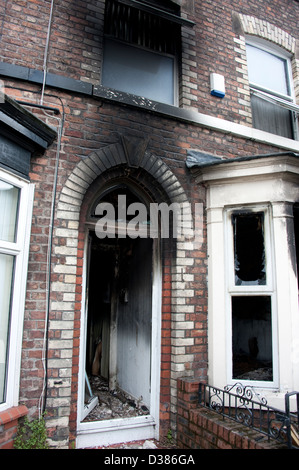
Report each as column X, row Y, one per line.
column 251, row 297
column 249, row 248
column 252, row 338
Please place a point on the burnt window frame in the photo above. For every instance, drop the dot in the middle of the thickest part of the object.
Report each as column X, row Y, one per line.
column 251, row 290
column 245, row 230
column 122, row 34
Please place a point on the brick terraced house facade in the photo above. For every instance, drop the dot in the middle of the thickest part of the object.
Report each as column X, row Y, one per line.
column 183, row 103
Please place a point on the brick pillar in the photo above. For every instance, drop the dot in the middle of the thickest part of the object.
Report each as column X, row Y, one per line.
column 187, row 400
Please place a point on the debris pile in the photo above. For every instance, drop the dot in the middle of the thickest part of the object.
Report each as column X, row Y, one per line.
column 248, row 368
column 263, row 373
column 113, row 404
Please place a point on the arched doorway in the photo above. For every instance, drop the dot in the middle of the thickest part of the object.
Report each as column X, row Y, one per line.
column 121, row 321
column 128, row 162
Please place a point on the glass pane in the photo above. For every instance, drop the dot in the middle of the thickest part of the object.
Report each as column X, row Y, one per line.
column 249, row 249
column 252, row 338
column 271, row 118
column 6, row 274
column 9, row 197
column 267, row 70
column 138, row 72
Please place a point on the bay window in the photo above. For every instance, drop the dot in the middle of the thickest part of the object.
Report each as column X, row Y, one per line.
column 252, row 233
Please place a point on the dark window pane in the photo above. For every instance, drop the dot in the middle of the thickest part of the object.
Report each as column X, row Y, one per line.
column 141, row 28
column 252, row 338
column 249, row 249
column 271, row 118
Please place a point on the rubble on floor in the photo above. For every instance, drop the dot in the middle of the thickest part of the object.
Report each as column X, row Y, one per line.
column 148, row 444
column 263, row 373
column 247, row 368
column 117, row 404
column 151, row 444
column 113, row 404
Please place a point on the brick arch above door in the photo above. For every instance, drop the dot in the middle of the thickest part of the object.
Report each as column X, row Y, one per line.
column 131, row 153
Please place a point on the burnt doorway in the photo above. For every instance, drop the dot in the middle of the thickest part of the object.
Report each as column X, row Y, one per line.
column 118, row 358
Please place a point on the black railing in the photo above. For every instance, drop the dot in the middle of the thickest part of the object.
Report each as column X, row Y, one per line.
column 245, row 406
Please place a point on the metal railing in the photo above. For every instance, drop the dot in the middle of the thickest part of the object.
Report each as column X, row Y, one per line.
column 244, row 405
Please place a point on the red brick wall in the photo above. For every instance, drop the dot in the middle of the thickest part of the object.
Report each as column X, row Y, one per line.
column 8, row 425
column 201, row 428
column 83, row 131
column 75, row 48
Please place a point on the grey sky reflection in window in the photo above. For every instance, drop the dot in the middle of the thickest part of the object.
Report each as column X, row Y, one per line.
column 138, row 72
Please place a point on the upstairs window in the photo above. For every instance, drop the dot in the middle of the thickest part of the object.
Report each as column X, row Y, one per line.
column 141, row 48
column 273, row 108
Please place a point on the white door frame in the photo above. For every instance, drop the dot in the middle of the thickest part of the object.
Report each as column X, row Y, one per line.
column 108, row 432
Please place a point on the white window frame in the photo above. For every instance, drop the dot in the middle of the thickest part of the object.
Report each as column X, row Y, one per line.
column 20, row 250
column 285, row 101
column 278, row 52
column 250, row 290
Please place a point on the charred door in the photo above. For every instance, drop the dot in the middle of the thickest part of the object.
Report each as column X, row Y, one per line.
column 134, row 319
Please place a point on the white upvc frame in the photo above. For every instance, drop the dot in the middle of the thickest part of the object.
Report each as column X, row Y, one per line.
column 20, row 250
column 277, row 51
column 108, row 432
column 250, row 290
column 286, row 101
